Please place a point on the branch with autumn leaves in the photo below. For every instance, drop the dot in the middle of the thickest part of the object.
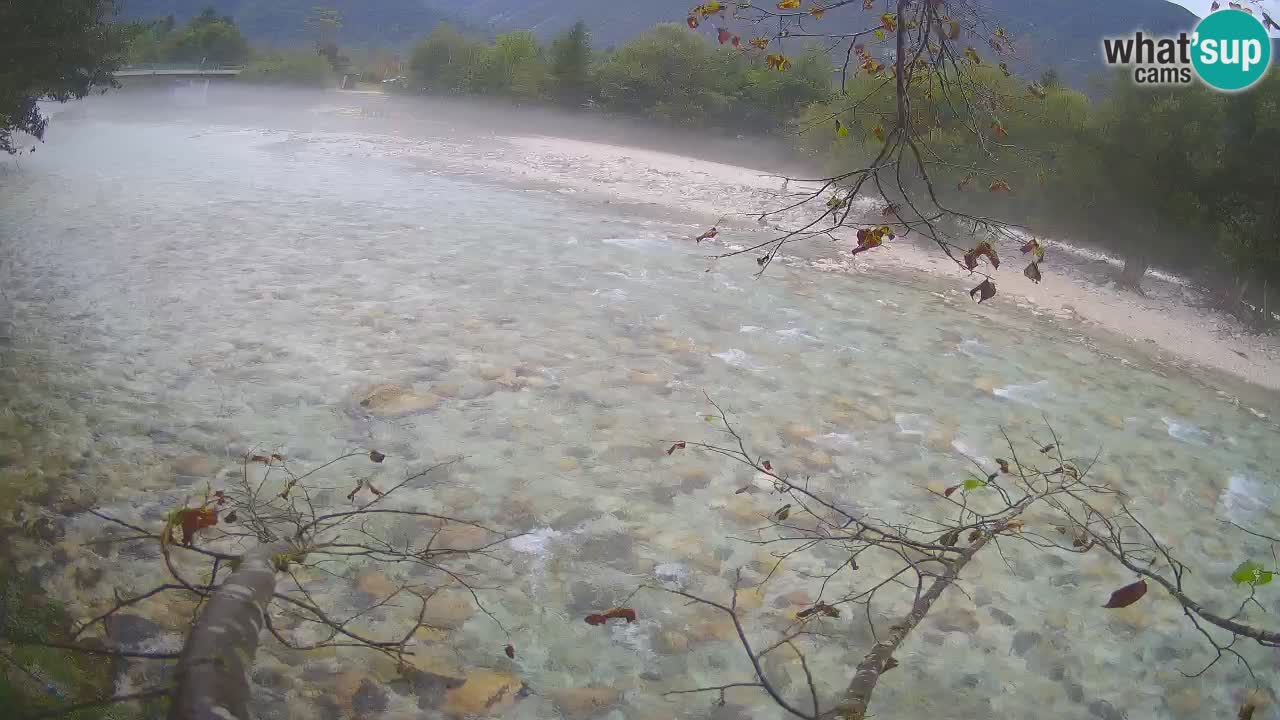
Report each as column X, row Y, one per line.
column 929, row 57
column 907, row 568
column 240, row 551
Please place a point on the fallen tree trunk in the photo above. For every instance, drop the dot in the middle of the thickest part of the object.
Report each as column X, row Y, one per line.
column 213, row 673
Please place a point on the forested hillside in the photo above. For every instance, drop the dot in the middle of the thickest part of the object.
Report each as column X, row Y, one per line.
column 1048, row 33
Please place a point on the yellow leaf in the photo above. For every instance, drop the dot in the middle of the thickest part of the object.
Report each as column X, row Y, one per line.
column 788, row 4
column 759, row 43
column 973, row 56
column 889, row 21
column 880, row 33
column 778, row 62
column 817, row 11
column 841, row 130
column 709, row 8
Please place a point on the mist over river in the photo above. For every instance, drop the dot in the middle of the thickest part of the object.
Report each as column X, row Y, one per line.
column 185, row 281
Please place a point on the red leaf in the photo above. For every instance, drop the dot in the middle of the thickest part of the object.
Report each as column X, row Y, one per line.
column 736, row 41
column 277, row 456
column 352, row 494
column 708, row 235
column 612, row 614
column 768, row 466
column 260, row 458
column 693, row 22
column 510, row 651
column 193, row 519
column 1127, row 595
column 675, row 447
column 948, row 491
column 723, row 35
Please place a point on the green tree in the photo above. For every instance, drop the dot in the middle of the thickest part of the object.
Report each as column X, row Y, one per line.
column 1140, row 174
column 768, row 100
column 670, row 75
column 570, row 65
column 512, row 66
column 323, row 25
column 1246, row 205
column 51, row 49
column 446, row 62
column 207, row 38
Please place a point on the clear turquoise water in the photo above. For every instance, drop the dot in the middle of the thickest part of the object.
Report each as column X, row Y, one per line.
column 190, row 289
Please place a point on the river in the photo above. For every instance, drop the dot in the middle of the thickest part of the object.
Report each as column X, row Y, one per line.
column 182, row 284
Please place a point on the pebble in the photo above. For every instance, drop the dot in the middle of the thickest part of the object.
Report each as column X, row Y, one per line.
column 958, row 620
column 581, row 703
column 1002, row 617
column 373, row 582
column 483, row 693
column 1185, row 702
column 1024, row 640
column 448, row 610
column 192, row 466
column 392, row 401
column 673, row 575
column 1105, row 710
column 795, row 433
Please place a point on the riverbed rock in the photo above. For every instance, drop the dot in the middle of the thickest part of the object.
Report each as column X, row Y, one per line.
column 794, row 598
column 482, row 693
column 1002, row 617
column 448, row 609
column 1023, row 641
column 1105, row 710
column 795, row 433
column 672, row 575
column 645, row 377
column 375, row 583
column 130, row 631
column 818, row 460
column 358, row 693
column 192, row 466
column 392, row 401
column 716, row 629
column 461, row 536
column 669, row 642
column 582, row 703
column 962, row 620
column 1185, row 702
column 940, row 440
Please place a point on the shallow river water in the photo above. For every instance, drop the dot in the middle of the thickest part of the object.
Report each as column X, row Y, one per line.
column 178, row 289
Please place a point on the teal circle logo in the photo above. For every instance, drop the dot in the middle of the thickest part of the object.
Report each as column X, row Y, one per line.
column 1230, row 50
